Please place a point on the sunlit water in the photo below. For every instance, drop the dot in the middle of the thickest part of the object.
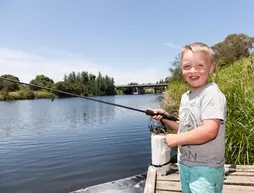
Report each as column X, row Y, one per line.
column 69, row 144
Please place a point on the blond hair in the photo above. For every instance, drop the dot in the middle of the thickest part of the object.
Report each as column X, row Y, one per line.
column 198, row 47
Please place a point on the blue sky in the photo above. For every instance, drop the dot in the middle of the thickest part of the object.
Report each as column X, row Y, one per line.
column 129, row 40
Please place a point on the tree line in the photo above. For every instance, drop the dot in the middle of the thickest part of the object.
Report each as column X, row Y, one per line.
column 81, row 83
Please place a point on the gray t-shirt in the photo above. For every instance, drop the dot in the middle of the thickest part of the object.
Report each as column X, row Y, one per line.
column 207, row 103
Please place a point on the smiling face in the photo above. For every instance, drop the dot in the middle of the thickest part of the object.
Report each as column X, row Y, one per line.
column 196, row 67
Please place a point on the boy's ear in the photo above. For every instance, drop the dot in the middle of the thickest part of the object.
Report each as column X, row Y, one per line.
column 212, row 69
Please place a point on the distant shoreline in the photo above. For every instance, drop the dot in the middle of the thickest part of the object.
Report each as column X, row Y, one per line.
column 35, row 95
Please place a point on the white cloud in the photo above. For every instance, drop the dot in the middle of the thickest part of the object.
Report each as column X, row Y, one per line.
column 27, row 65
column 173, row 46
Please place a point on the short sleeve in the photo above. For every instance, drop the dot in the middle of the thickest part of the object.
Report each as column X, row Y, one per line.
column 213, row 105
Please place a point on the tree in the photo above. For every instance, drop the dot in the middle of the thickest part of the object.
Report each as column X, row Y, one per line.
column 41, row 80
column 232, row 48
column 110, row 86
column 92, row 87
column 90, row 84
column 175, row 72
column 100, row 82
column 133, row 83
column 84, row 77
column 7, row 85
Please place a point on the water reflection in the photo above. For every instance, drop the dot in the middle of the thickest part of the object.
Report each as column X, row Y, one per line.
column 22, row 116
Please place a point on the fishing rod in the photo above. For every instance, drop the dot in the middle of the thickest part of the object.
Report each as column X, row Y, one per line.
column 147, row 112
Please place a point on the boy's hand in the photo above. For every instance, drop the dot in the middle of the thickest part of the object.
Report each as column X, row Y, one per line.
column 158, row 117
column 160, row 114
column 172, row 140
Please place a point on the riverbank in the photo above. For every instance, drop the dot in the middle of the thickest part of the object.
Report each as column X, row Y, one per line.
column 42, row 94
column 26, row 95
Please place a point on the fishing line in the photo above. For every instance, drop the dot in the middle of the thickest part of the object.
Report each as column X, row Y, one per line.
column 147, row 112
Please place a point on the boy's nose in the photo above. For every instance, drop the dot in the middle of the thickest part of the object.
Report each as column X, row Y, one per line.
column 193, row 69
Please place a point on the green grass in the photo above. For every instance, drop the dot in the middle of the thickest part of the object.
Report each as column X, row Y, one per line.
column 119, row 92
column 237, row 83
column 24, row 94
column 43, row 94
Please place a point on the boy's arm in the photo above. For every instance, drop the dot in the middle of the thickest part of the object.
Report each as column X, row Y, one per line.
column 202, row 134
column 170, row 124
column 213, row 110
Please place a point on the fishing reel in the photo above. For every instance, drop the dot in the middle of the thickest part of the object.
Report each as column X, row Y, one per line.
column 156, row 126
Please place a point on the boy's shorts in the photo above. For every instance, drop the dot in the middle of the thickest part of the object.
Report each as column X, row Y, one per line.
column 201, row 179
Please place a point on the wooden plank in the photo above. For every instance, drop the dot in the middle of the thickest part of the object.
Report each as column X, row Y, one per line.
column 171, row 177
column 240, row 173
column 237, row 189
column 239, row 180
column 234, row 180
column 229, row 173
column 150, row 180
column 169, row 186
column 228, row 168
column 165, row 191
column 175, row 175
column 248, row 168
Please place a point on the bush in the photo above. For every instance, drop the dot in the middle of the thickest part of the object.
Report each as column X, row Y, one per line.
column 25, row 94
column 43, row 94
column 172, row 96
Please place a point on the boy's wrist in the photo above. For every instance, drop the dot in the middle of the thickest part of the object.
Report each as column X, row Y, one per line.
column 180, row 139
column 173, row 140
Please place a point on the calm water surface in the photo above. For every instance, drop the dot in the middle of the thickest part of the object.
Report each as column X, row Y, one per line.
column 52, row 147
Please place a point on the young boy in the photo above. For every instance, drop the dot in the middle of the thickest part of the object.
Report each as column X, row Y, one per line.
column 201, row 128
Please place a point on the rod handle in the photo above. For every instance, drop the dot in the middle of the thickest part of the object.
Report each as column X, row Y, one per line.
column 164, row 116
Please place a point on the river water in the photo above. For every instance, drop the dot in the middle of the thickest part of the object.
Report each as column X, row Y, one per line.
column 69, row 144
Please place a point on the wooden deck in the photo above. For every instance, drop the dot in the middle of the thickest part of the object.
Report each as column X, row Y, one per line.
column 238, row 179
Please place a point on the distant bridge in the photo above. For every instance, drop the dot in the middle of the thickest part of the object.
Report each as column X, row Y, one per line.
column 142, row 85
column 139, row 88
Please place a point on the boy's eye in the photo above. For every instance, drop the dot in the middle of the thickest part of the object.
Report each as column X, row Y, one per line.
column 187, row 66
